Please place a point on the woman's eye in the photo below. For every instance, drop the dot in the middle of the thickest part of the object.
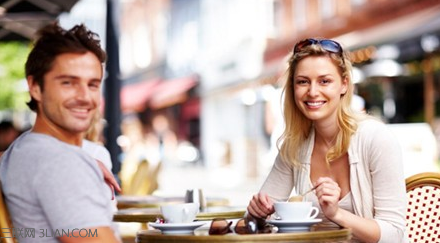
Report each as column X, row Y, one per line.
column 326, row 81
column 300, row 81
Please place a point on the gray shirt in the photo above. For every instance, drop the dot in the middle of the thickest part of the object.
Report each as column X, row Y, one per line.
column 53, row 188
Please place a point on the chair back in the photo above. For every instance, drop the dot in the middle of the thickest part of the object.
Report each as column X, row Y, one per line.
column 423, row 210
column 140, row 177
column 144, row 180
column 6, row 235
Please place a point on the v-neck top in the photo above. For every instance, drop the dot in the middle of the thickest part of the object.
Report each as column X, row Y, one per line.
column 377, row 182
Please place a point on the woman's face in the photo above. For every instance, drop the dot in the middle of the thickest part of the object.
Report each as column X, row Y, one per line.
column 318, row 86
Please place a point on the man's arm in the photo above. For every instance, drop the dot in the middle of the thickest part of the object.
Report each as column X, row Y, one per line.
column 97, row 235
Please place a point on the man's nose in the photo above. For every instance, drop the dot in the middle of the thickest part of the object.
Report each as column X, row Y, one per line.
column 83, row 92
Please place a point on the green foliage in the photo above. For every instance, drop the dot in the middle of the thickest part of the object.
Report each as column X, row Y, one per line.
column 13, row 95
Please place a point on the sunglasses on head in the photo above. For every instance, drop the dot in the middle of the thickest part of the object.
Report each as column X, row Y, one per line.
column 220, row 226
column 328, row 45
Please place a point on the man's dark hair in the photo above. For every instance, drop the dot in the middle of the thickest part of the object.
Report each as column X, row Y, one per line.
column 52, row 41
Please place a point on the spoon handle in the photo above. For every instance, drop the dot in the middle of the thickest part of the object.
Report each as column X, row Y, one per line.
column 311, row 189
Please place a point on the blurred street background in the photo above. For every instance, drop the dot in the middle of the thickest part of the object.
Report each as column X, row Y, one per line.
column 192, row 93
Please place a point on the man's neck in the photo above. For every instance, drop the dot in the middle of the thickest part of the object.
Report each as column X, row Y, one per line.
column 51, row 130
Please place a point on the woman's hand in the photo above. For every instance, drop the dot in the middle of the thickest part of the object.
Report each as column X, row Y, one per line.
column 328, row 193
column 260, row 206
column 109, row 179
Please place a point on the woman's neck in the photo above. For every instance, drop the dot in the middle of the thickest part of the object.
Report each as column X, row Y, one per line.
column 326, row 135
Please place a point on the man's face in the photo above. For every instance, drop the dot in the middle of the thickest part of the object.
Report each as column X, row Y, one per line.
column 71, row 94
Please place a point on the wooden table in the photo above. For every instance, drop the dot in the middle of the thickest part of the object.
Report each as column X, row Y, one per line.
column 150, row 201
column 316, row 234
column 144, row 215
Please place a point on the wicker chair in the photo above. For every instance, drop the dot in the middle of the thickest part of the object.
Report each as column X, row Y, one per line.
column 5, row 221
column 423, row 211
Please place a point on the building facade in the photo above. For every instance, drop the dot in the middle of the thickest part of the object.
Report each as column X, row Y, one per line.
column 234, row 51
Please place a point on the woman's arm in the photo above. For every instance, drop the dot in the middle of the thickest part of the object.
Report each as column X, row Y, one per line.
column 328, row 193
column 279, row 183
column 384, row 156
column 277, row 187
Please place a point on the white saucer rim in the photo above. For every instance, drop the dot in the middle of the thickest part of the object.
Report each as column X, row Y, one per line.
column 306, row 221
column 292, row 229
column 176, row 226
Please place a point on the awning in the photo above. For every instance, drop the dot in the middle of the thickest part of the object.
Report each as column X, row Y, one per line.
column 134, row 97
column 406, row 27
column 171, row 92
column 20, row 19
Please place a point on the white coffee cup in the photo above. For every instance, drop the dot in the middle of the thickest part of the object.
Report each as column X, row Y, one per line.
column 295, row 210
column 179, row 213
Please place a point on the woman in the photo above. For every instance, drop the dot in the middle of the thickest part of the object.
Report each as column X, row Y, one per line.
column 352, row 158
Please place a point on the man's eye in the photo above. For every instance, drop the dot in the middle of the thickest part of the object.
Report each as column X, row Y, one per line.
column 94, row 85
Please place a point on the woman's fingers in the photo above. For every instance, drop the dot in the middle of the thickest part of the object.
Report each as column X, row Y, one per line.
column 265, row 201
column 108, row 177
column 328, row 190
column 260, row 206
column 328, row 193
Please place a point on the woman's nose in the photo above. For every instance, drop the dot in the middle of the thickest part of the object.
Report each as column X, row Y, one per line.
column 313, row 89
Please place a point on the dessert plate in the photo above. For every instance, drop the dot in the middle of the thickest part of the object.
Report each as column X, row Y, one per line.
column 285, row 226
column 177, row 228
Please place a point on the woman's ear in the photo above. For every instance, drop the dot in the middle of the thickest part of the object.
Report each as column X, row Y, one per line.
column 34, row 88
column 344, row 87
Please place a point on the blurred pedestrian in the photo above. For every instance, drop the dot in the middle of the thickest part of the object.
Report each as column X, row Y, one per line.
column 8, row 133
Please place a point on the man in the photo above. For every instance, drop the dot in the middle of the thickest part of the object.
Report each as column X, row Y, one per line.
column 50, row 184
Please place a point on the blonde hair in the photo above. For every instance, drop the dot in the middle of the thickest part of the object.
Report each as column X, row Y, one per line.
column 298, row 127
column 94, row 132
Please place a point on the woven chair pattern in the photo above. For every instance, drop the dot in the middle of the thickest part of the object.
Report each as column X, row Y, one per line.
column 6, row 234
column 423, row 211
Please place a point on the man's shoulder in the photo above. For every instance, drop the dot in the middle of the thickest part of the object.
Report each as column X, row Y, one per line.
column 45, row 151
column 35, row 141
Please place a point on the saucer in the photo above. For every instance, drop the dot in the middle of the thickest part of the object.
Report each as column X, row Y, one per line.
column 177, row 228
column 285, row 226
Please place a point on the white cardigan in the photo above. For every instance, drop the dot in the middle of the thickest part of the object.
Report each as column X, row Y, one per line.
column 377, row 180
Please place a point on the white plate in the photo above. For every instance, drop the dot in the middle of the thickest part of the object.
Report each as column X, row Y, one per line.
column 285, row 226
column 177, row 229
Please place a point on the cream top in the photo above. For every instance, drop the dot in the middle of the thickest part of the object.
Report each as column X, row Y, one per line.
column 377, row 180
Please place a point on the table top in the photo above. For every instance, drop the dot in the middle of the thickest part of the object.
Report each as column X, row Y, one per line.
column 144, row 215
column 316, row 234
column 150, row 201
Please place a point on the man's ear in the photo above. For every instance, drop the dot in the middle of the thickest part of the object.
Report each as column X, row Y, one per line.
column 34, row 88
